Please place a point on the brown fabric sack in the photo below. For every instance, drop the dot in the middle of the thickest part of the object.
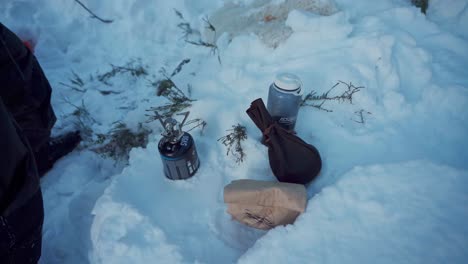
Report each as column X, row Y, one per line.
column 291, row 159
column 264, row 205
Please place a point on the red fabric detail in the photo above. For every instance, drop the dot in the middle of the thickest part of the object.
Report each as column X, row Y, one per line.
column 29, row 45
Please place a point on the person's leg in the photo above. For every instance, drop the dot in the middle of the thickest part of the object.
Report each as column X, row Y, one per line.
column 21, row 208
column 24, row 230
column 25, row 89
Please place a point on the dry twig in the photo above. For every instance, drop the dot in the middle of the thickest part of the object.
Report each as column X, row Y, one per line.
column 92, row 13
column 360, row 115
column 233, row 142
column 187, row 31
column 347, row 95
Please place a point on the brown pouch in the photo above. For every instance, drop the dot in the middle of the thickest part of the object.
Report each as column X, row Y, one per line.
column 291, row 159
column 263, row 204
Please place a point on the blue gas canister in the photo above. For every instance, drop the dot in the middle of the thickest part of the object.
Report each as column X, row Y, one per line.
column 177, row 150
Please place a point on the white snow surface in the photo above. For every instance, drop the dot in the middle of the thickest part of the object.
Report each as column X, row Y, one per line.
column 393, row 184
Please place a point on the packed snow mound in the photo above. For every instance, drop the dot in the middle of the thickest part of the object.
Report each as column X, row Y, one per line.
column 265, row 18
column 68, row 207
column 129, row 239
column 137, row 217
column 451, row 14
column 380, row 213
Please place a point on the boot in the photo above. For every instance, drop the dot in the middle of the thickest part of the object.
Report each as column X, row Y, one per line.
column 62, row 145
column 59, row 147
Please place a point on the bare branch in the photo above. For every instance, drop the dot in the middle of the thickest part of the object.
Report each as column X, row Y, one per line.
column 360, row 114
column 179, row 67
column 346, row 95
column 179, row 14
column 72, row 87
column 209, row 25
column 92, row 14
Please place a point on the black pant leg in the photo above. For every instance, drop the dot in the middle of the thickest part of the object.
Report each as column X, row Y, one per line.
column 21, row 207
column 26, row 93
column 21, row 233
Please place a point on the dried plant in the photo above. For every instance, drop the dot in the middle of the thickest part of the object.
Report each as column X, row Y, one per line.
column 233, row 142
column 118, row 143
column 178, row 101
column 133, row 67
column 76, row 83
column 317, row 101
column 166, row 87
column 188, row 32
column 84, row 120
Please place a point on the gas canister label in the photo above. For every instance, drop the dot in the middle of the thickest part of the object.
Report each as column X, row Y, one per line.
column 184, row 141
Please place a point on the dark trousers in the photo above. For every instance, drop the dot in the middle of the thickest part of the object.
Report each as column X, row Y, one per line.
column 26, row 93
column 26, row 118
column 21, row 233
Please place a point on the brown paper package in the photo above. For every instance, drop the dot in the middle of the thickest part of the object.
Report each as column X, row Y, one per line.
column 263, row 204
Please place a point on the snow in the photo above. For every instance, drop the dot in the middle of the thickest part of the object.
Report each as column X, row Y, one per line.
column 69, row 208
column 392, row 187
column 264, row 18
column 378, row 212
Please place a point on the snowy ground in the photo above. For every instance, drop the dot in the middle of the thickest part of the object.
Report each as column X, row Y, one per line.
column 392, row 189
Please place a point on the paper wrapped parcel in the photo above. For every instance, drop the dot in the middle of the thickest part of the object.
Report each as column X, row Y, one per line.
column 264, row 204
